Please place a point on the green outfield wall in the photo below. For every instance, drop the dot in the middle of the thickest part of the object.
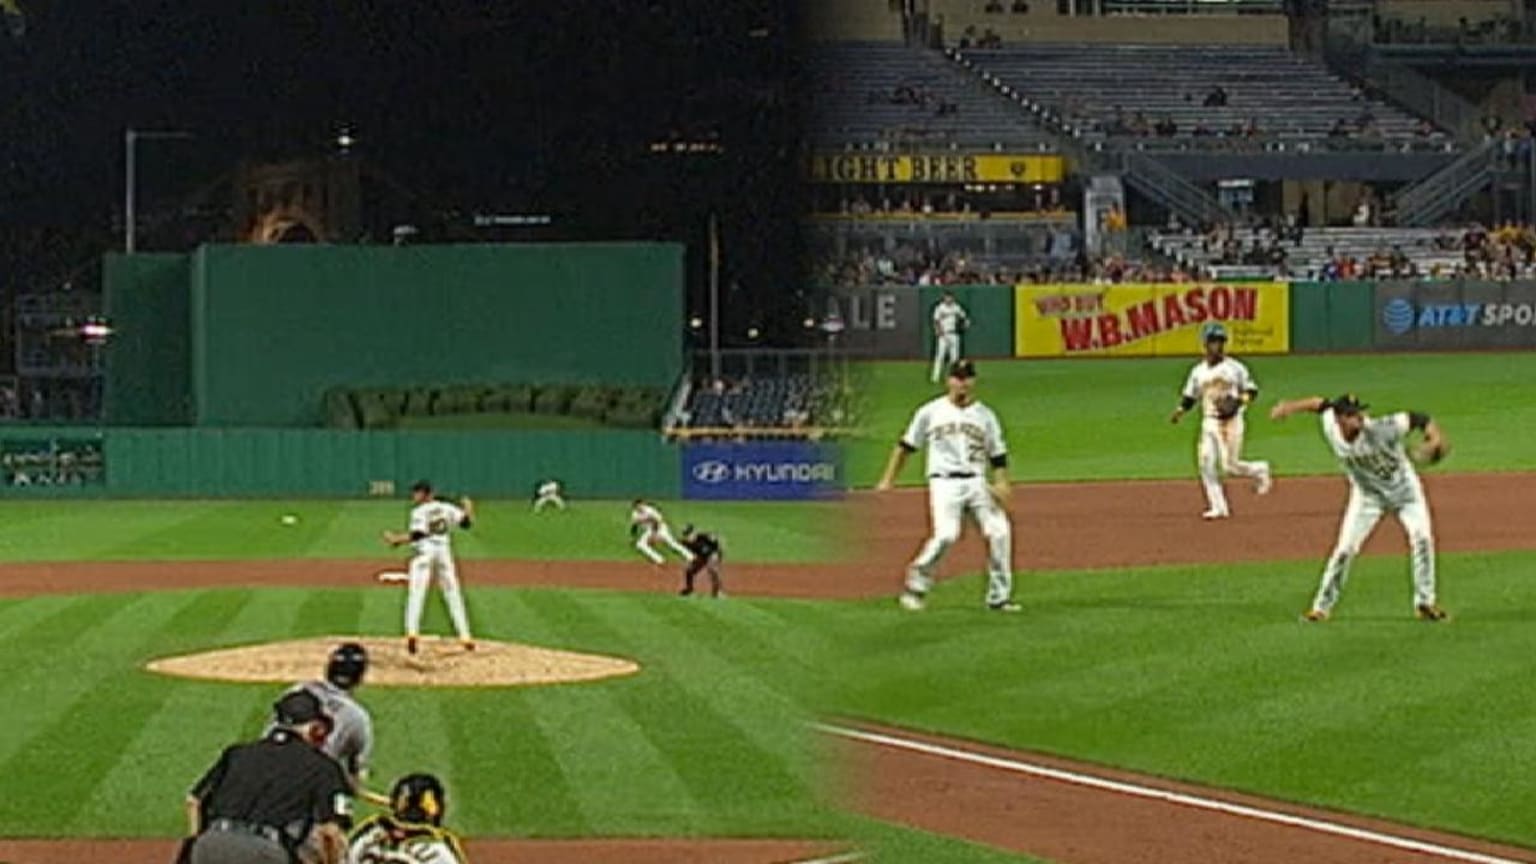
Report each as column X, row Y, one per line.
column 1332, row 316
column 149, row 362
column 243, row 463
column 253, row 336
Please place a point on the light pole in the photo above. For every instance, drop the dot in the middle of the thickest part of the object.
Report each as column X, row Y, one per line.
column 130, row 180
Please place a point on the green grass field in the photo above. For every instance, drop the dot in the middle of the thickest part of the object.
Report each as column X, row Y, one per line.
column 1199, row 672
column 1108, row 419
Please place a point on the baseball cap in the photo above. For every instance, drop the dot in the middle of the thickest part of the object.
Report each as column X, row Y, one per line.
column 1349, row 403
column 300, row 706
column 1212, row 332
column 962, row 369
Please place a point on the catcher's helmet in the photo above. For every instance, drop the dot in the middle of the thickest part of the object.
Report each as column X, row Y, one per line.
column 347, row 664
column 1213, row 332
column 418, row 798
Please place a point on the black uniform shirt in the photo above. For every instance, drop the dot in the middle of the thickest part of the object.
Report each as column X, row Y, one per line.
column 278, row 781
column 702, row 544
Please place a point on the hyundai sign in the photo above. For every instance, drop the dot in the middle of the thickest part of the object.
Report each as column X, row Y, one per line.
column 762, row 471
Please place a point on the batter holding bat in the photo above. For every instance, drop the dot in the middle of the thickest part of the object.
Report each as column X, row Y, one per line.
column 1382, row 480
column 964, row 443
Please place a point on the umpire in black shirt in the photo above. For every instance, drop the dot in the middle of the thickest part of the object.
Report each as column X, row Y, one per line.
column 708, row 554
column 259, row 802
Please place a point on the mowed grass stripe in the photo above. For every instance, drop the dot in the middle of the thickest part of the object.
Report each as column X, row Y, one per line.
column 63, row 740
column 622, row 780
column 522, row 785
column 328, row 612
column 17, row 615
column 767, row 751
column 183, row 708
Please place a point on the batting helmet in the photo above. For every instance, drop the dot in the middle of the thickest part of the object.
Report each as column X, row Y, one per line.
column 418, row 798
column 1213, row 332
column 347, row 664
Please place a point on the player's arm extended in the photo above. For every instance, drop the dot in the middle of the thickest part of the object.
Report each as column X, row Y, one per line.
column 1286, row 407
column 1002, row 487
column 467, row 504
column 893, row 466
column 1433, row 448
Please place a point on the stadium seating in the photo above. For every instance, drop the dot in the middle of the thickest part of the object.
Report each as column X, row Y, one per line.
column 1427, row 248
column 790, row 401
column 1094, row 91
column 853, row 86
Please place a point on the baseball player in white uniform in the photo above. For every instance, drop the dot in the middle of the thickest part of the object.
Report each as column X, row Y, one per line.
column 649, row 528
column 949, row 321
column 548, row 495
column 412, row 832
column 1382, row 480
column 1222, row 387
column 964, row 443
column 431, row 527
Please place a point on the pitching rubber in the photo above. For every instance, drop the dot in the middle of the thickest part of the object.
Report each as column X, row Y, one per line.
column 391, row 577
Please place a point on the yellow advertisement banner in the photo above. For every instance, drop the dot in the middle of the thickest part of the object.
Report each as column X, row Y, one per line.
column 1151, row 320
column 945, row 168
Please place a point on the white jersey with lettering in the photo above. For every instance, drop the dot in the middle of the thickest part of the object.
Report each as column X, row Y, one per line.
column 958, row 440
column 382, row 841
column 948, row 317
column 1376, row 461
column 647, row 517
column 1207, row 383
column 435, row 520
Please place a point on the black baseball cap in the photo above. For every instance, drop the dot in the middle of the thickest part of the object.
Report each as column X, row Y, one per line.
column 962, row 369
column 422, row 486
column 300, row 706
column 1349, row 403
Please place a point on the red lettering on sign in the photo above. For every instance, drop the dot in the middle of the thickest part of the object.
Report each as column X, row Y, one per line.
column 1076, row 334
column 1194, row 298
column 1142, row 319
column 1221, row 303
column 1109, row 330
column 1245, row 304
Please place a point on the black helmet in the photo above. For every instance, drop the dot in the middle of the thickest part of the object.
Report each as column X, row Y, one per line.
column 347, row 664
column 418, row 799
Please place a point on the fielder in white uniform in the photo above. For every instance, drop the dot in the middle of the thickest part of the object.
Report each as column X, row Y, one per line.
column 649, row 528
column 431, row 527
column 1382, row 480
column 949, row 321
column 1222, row 387
column 964, row 443
column 548, row 495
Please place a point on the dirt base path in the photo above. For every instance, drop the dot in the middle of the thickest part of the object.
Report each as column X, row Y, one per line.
column 978, row 792
column 479, row 851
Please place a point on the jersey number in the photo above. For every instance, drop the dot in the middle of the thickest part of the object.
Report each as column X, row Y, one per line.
column 974, row 452
column 437, row 525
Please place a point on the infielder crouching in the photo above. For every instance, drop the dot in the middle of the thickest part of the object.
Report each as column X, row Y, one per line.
column 1382, row 480
column 431, row 527
column 964, row 443
column 548, row 495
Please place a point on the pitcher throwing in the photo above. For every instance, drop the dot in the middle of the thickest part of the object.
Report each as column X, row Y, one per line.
column 1222, row 387
column 431, row 528
column 965, row 443
column 1382, row 480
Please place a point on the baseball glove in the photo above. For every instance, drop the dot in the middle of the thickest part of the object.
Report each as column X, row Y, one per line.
column 1228, row 406
column 1426, row 454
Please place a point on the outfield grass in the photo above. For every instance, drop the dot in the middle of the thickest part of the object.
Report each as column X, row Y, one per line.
column 1108, row 419
column 222, row 530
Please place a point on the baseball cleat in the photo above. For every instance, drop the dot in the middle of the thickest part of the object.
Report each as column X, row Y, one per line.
column 1215, row 514
column 1264, row 484
column 1006, row 606
column 467, row 644
column 410, row 644
column 1314, row 615
column 912, row 602
column 1430, row 612
column 685, row 592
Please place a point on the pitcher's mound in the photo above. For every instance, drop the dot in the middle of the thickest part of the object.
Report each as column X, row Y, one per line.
column 440, row 663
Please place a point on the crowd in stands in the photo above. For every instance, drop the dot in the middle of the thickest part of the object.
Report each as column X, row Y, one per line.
column 1041, row 199
column 793, row 402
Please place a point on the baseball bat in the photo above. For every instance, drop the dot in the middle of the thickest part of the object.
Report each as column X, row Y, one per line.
column 375, row 798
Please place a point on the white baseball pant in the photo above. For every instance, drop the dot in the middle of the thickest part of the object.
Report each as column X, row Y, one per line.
column 1219, row 451
column 1360, row 517
column 946, row 350
column 543, row 501
column 948, row 500
column 650, row 537
column 421, row 569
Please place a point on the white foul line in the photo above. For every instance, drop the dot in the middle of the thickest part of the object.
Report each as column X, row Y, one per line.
column 1318, row 825
column 845, row 858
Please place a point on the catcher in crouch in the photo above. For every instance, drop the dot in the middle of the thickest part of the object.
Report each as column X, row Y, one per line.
column 1222, row 387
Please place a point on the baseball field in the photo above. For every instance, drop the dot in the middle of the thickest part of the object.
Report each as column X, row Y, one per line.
column 1157, row 700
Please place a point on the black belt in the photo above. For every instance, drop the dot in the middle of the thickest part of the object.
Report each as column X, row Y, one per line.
column 953, row 475
column 235, row 826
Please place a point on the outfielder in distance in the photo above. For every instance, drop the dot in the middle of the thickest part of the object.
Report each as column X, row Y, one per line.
column 1222, row 387
column 949, row 321
column 431, row 527
column 1382, row 480
column 548, row 494
column 964, row 443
